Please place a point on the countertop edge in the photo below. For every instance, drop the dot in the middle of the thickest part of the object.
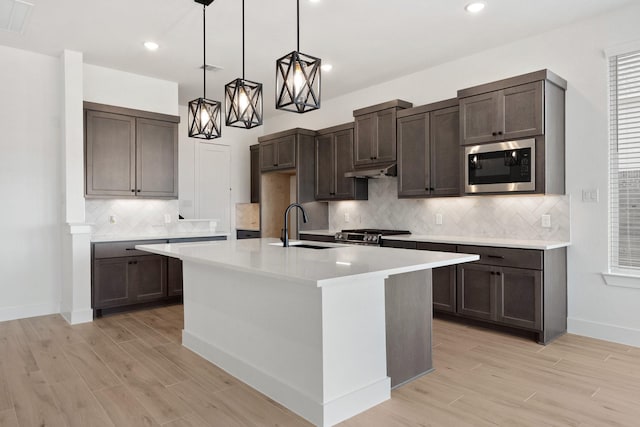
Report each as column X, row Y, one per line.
column 479, row 241
column 119, row 238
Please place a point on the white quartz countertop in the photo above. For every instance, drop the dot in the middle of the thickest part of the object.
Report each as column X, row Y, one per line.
column 183, row 235
column 319, row 267
column 484, row 241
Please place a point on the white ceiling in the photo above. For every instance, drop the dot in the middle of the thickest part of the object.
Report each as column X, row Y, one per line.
column 367, row 41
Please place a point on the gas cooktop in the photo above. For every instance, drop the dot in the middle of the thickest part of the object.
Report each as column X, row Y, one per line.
column 366, row 236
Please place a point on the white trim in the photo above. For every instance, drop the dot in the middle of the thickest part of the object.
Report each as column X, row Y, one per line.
column 78, row 228
column 32, row 310
column 78, row 316
column 327, row 414
column 604, row 331
column 621, row 280
column 622, row 48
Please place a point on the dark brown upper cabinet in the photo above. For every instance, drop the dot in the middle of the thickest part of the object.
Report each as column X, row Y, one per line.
column 130, row 153
column 375, row 133
column 277, row 154
column 505, row 114
column 255, row 173
column 429, row 150
column 334, row 157
column 527, row 106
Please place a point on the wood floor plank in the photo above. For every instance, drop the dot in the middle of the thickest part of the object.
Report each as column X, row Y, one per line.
column 54, row 327
column 52, row 361
column 78, row 405
column 165, row 370
column 189, row 420
column 33, row 400
column 162, row 404
column 5, row 395
column 114, row 330
column 143, row 332
column 199, row 369
column 8, row 418
column 123, row 408
column 16, row 355
column 90, row 367
column 169, row 329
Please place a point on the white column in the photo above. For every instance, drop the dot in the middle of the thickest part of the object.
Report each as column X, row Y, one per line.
column 75, row 304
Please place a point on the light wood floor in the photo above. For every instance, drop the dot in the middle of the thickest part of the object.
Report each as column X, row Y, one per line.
column 130, row 370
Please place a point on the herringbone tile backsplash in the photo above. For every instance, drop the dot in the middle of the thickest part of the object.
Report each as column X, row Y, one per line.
column 137, row 218
column 517, row 217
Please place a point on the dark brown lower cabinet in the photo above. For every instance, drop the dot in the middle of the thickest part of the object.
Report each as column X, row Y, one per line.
column 443, row 279
column 518, row 288
column 174, row 273
column 123, row 276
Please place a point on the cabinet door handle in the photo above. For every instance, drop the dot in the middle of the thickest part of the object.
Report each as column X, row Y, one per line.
column 137, row 191
column 494, row 133
column 130, row 249
column 499, row 132
column 133, row 190
column 497, row 272
column 495, row 256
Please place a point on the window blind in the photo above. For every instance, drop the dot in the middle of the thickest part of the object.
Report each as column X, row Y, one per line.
column 624, row 180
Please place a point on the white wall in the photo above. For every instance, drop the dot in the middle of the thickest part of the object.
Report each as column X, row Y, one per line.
column 30, row 184
column 574, row 52
column 113, row 87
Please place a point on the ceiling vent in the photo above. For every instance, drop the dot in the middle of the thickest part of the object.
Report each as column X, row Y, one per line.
column 14, row 14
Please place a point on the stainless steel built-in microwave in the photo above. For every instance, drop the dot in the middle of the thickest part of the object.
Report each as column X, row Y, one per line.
column 501, row 167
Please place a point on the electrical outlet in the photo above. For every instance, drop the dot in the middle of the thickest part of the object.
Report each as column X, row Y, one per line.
column 438, row 219
column 546, row 221
column 112, row 219
column 347, row 217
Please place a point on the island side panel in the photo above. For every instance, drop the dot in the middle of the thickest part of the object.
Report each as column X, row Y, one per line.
column 408, row 326
column 264, row 331
column 353, row 334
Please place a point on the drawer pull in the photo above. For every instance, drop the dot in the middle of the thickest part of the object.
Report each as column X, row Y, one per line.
column 495, row 256
column 130, row 249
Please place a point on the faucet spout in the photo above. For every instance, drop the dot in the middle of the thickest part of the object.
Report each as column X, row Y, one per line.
column 285, row 230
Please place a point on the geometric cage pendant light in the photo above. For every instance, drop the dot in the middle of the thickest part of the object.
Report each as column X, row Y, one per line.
column 204, row 114
column 298, row 79
column 243, row 98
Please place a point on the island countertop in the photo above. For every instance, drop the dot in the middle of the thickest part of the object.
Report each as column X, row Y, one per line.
column 337, row 264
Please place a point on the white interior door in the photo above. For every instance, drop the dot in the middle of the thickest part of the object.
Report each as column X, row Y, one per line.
column 213, row 184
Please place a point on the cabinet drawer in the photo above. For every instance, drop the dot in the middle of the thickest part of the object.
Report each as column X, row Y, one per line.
column 122, row 249
column 440, row 247
column 317, row 237
column 197, row 239
column 247, row 234
column 507, row 257
column 398, row 244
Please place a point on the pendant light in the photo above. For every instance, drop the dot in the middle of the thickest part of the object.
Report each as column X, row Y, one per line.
column 243, row 98
column 204, row 114
column 298, row 79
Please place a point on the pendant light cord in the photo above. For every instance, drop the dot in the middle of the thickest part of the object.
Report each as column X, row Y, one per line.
column 204, row 50
column 242, row 39
column 298, row 25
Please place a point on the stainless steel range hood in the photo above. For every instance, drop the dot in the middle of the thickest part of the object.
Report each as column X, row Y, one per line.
column 377, row 172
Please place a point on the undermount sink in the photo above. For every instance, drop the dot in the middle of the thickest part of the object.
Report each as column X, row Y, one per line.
column 304, row 245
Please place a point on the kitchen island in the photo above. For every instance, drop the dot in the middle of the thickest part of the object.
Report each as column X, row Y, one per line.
column 321, row 329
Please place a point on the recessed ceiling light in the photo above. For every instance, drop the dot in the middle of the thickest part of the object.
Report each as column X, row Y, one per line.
column 474, row 7
column 326, row 67
column 151, row 46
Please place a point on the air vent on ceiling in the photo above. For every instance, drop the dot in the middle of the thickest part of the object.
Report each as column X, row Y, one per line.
column 211, row 67
column 14, row 14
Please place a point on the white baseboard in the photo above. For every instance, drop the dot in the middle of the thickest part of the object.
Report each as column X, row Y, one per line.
column 604, row 331
column 32, row 310
column 319, row 414
column 78, row 316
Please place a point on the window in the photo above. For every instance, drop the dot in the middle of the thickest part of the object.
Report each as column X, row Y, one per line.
column 624, row 168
